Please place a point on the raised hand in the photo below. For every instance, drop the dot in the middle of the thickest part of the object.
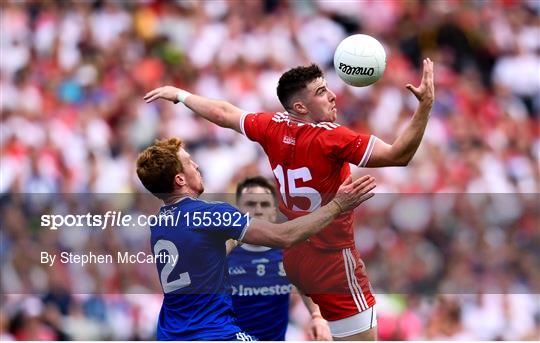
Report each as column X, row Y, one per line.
column 425, row 93
column 351, row 194
column 166, row 92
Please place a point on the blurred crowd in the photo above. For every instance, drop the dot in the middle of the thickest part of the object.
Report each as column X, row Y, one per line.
column 72, row 78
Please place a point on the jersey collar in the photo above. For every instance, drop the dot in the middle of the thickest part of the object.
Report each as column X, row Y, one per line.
column 254, row 248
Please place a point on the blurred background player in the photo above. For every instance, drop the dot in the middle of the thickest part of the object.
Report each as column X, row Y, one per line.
column 196, row 304
column 310, row 155
column 254, row 269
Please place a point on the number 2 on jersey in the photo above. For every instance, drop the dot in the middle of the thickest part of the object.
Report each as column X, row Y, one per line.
column 174, row 285
column 297, row 192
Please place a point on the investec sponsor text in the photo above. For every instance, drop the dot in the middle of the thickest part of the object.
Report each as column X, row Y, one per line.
column 243, row 291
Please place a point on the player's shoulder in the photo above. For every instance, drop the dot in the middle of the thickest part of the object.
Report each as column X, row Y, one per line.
column 270, row 117
column 196, row 204
column 276, row 117
column 202, row 203
column 267, row 115
column 326, row 126
column 329, row 130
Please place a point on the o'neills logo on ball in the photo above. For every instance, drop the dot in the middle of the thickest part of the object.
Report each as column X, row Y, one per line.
column 350, row 70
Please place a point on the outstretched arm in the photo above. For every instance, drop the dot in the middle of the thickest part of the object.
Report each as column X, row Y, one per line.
column 218, row 112
column 404, row 147
column 349, row 196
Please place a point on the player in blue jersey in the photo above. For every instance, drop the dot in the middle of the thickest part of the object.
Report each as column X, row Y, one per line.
column 260, row 288
column 189, row 242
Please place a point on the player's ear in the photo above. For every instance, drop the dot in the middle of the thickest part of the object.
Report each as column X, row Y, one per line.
column 299, row 107
column 180, row 180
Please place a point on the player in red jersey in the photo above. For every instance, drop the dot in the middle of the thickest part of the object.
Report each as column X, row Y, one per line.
column 310, row 157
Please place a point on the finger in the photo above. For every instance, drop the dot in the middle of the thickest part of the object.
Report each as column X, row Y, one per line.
column 152, row 98
column 151, row 93
column 364, row 188
column 312, row 334
column 360, row 180
column 348, row 184
column 429, row 65
column 316, row 334
column 358, row 183
column 369, row 187
column 413, row 89
column 365, row 197
column 431, row 71
column 155, row 97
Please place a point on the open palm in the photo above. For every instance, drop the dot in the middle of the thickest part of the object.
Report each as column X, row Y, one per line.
column 425, row 93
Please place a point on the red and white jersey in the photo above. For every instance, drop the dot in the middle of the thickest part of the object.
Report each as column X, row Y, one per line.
column 310, row 162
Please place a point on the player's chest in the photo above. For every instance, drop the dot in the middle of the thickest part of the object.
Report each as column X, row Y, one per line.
column 257, row 269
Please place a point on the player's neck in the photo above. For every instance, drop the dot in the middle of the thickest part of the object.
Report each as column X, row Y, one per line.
column 298, row 118
column 181, row 193
column 173, row 199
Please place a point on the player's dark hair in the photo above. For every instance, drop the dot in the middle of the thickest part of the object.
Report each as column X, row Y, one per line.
column 157, row 166
column 294, row 80
column 256, row 181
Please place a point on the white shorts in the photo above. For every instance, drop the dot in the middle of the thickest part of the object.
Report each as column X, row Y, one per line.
column 352, row 325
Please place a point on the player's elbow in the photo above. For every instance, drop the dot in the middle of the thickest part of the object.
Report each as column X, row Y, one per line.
column 283, row 242
column 292, row 239
column 403, row 162
column 402, row 159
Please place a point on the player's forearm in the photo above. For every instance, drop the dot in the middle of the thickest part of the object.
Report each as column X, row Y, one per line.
column 313, row 309
column 218, row 112
column 405, row 146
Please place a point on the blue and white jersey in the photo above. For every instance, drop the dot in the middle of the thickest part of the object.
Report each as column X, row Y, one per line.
column 260, row 291
column 197, row 303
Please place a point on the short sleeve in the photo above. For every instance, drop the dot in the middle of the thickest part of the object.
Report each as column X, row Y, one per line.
column 223, row 219
column 254, row 125
column 348, row 146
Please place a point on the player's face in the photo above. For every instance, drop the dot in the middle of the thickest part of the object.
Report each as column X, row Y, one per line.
column 191, row 173
column 320, row 101
column 258, row 202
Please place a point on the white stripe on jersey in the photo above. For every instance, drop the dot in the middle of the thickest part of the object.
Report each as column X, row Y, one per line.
column 280, row 117
column 367, row 153
column 324, row 125
column 242, row 120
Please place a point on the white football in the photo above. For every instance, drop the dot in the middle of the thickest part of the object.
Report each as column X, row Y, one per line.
column 360, row 60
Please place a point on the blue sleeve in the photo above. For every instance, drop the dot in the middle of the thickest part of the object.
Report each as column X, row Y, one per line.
column 225, row 220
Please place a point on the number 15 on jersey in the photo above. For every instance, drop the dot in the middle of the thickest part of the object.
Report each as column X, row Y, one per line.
column 290, row 179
